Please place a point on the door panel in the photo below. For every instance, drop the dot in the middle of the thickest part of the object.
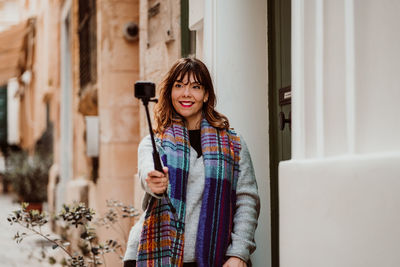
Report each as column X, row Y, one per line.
column 3, row 115
column 279, row 54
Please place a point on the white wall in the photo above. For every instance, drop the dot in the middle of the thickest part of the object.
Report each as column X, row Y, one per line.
column 235, row 50
column 66, row 138
column 196, row 23
column 339, row 196
column 9, row 14
column 12, row 112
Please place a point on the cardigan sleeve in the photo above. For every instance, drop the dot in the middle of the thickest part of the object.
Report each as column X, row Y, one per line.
column 247, row 209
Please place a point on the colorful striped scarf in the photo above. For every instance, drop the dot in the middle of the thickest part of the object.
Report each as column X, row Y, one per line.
column 162, row 237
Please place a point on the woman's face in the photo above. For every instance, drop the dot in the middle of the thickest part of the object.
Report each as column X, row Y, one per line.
column 188, row 97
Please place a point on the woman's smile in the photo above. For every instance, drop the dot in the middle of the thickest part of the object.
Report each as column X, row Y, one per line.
column 186, row 104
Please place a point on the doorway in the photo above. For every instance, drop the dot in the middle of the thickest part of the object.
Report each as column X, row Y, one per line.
column 3, row 115
column 279, row 95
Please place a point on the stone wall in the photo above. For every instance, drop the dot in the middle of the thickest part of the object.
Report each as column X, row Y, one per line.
column 118, row 69
column 158, row 51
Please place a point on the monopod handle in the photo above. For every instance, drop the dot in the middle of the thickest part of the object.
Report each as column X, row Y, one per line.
column 157, row 161
column 158, row 167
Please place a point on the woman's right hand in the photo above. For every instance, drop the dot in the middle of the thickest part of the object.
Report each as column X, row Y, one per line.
column 158, row 181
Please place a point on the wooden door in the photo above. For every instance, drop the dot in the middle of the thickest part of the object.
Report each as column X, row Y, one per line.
column 279, row 43
column 3, row 115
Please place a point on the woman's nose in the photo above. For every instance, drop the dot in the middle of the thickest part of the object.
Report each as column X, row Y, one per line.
column 186, row 91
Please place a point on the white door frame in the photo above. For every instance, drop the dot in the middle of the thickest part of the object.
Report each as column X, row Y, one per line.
column 66, row 118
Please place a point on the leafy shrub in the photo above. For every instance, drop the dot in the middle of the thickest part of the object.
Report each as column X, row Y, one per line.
column 78, row 217
column 28, row 175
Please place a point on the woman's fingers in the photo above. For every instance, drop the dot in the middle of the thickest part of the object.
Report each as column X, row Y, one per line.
column 165, row 170
column 158, row 181
column 235, row 262
column 158, row 190
column 155, row 174
column 156, row 187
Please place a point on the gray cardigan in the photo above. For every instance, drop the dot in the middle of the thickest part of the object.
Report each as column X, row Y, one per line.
column 247, row 204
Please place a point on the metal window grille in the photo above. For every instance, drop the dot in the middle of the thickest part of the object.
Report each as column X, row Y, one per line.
column 87, row 42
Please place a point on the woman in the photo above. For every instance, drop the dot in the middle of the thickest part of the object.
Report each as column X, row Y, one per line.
column 210, row 215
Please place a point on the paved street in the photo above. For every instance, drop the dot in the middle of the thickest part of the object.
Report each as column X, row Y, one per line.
column 12, row 254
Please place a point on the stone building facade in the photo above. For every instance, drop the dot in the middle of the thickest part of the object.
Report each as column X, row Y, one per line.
column 83, row 58
column 108, row 100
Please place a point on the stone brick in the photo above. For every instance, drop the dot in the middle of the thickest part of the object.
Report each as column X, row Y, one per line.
column 78, row 191
column 127, row 10
column 117, row 90
column 108, row 188
column 116, row 52
column 156, row 59
column 88, row 102
column 118, row 161
column 119, row 125
column 120, row 55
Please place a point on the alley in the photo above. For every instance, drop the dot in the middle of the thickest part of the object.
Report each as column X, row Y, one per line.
column 28, row 252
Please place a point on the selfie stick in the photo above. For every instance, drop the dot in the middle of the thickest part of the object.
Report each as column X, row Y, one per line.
column 156, row 155
column 145, row 91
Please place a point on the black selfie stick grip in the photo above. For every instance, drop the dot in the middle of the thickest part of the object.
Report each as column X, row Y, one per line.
column 156, row 155
column 158, row 167
column 157, row 161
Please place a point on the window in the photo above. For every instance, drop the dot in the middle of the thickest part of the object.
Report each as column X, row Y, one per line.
column 188, row 37
column 87, row 42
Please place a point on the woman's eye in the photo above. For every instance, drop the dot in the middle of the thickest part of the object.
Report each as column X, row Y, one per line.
column 178, row 85
column 196, row 87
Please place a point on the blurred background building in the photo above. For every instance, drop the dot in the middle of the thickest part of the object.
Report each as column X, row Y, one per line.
column 67, row 73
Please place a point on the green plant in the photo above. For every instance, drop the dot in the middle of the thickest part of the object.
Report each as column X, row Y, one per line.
column 77, row 216
column 110, row 220
column 28, row 175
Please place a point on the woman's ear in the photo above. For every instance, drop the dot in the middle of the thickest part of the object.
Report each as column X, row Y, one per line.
column 205, row 98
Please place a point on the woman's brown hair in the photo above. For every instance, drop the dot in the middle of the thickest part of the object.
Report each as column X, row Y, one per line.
column 164, row 112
